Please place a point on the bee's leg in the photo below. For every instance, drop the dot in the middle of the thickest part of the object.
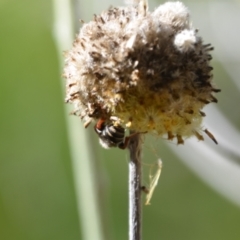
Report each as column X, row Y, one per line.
column 124, row 144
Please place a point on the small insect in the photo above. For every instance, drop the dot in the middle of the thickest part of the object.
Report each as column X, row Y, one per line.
column 153, row 183
column 110, row 135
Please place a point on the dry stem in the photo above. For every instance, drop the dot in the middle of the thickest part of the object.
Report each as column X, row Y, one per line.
column 135, row 188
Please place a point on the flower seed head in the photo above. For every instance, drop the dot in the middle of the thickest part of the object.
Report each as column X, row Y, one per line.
column 146, row 71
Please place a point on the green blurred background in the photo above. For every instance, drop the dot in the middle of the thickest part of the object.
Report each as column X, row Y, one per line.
column 37, row 197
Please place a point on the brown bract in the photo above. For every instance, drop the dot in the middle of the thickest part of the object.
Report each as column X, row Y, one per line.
column 146, row 71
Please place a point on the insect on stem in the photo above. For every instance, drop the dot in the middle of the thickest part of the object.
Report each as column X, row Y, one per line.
column 153, row 182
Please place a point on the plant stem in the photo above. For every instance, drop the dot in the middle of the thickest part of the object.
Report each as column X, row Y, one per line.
column 135, row 187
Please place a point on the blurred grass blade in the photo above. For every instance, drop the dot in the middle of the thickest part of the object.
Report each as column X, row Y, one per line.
column 89, row 213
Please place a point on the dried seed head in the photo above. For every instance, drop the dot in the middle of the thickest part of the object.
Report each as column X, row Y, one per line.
column 147, row 71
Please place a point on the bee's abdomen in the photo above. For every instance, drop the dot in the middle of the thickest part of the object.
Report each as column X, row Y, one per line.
column 115, row 134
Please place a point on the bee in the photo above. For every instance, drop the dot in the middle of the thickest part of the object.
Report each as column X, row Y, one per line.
column 110, row 135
